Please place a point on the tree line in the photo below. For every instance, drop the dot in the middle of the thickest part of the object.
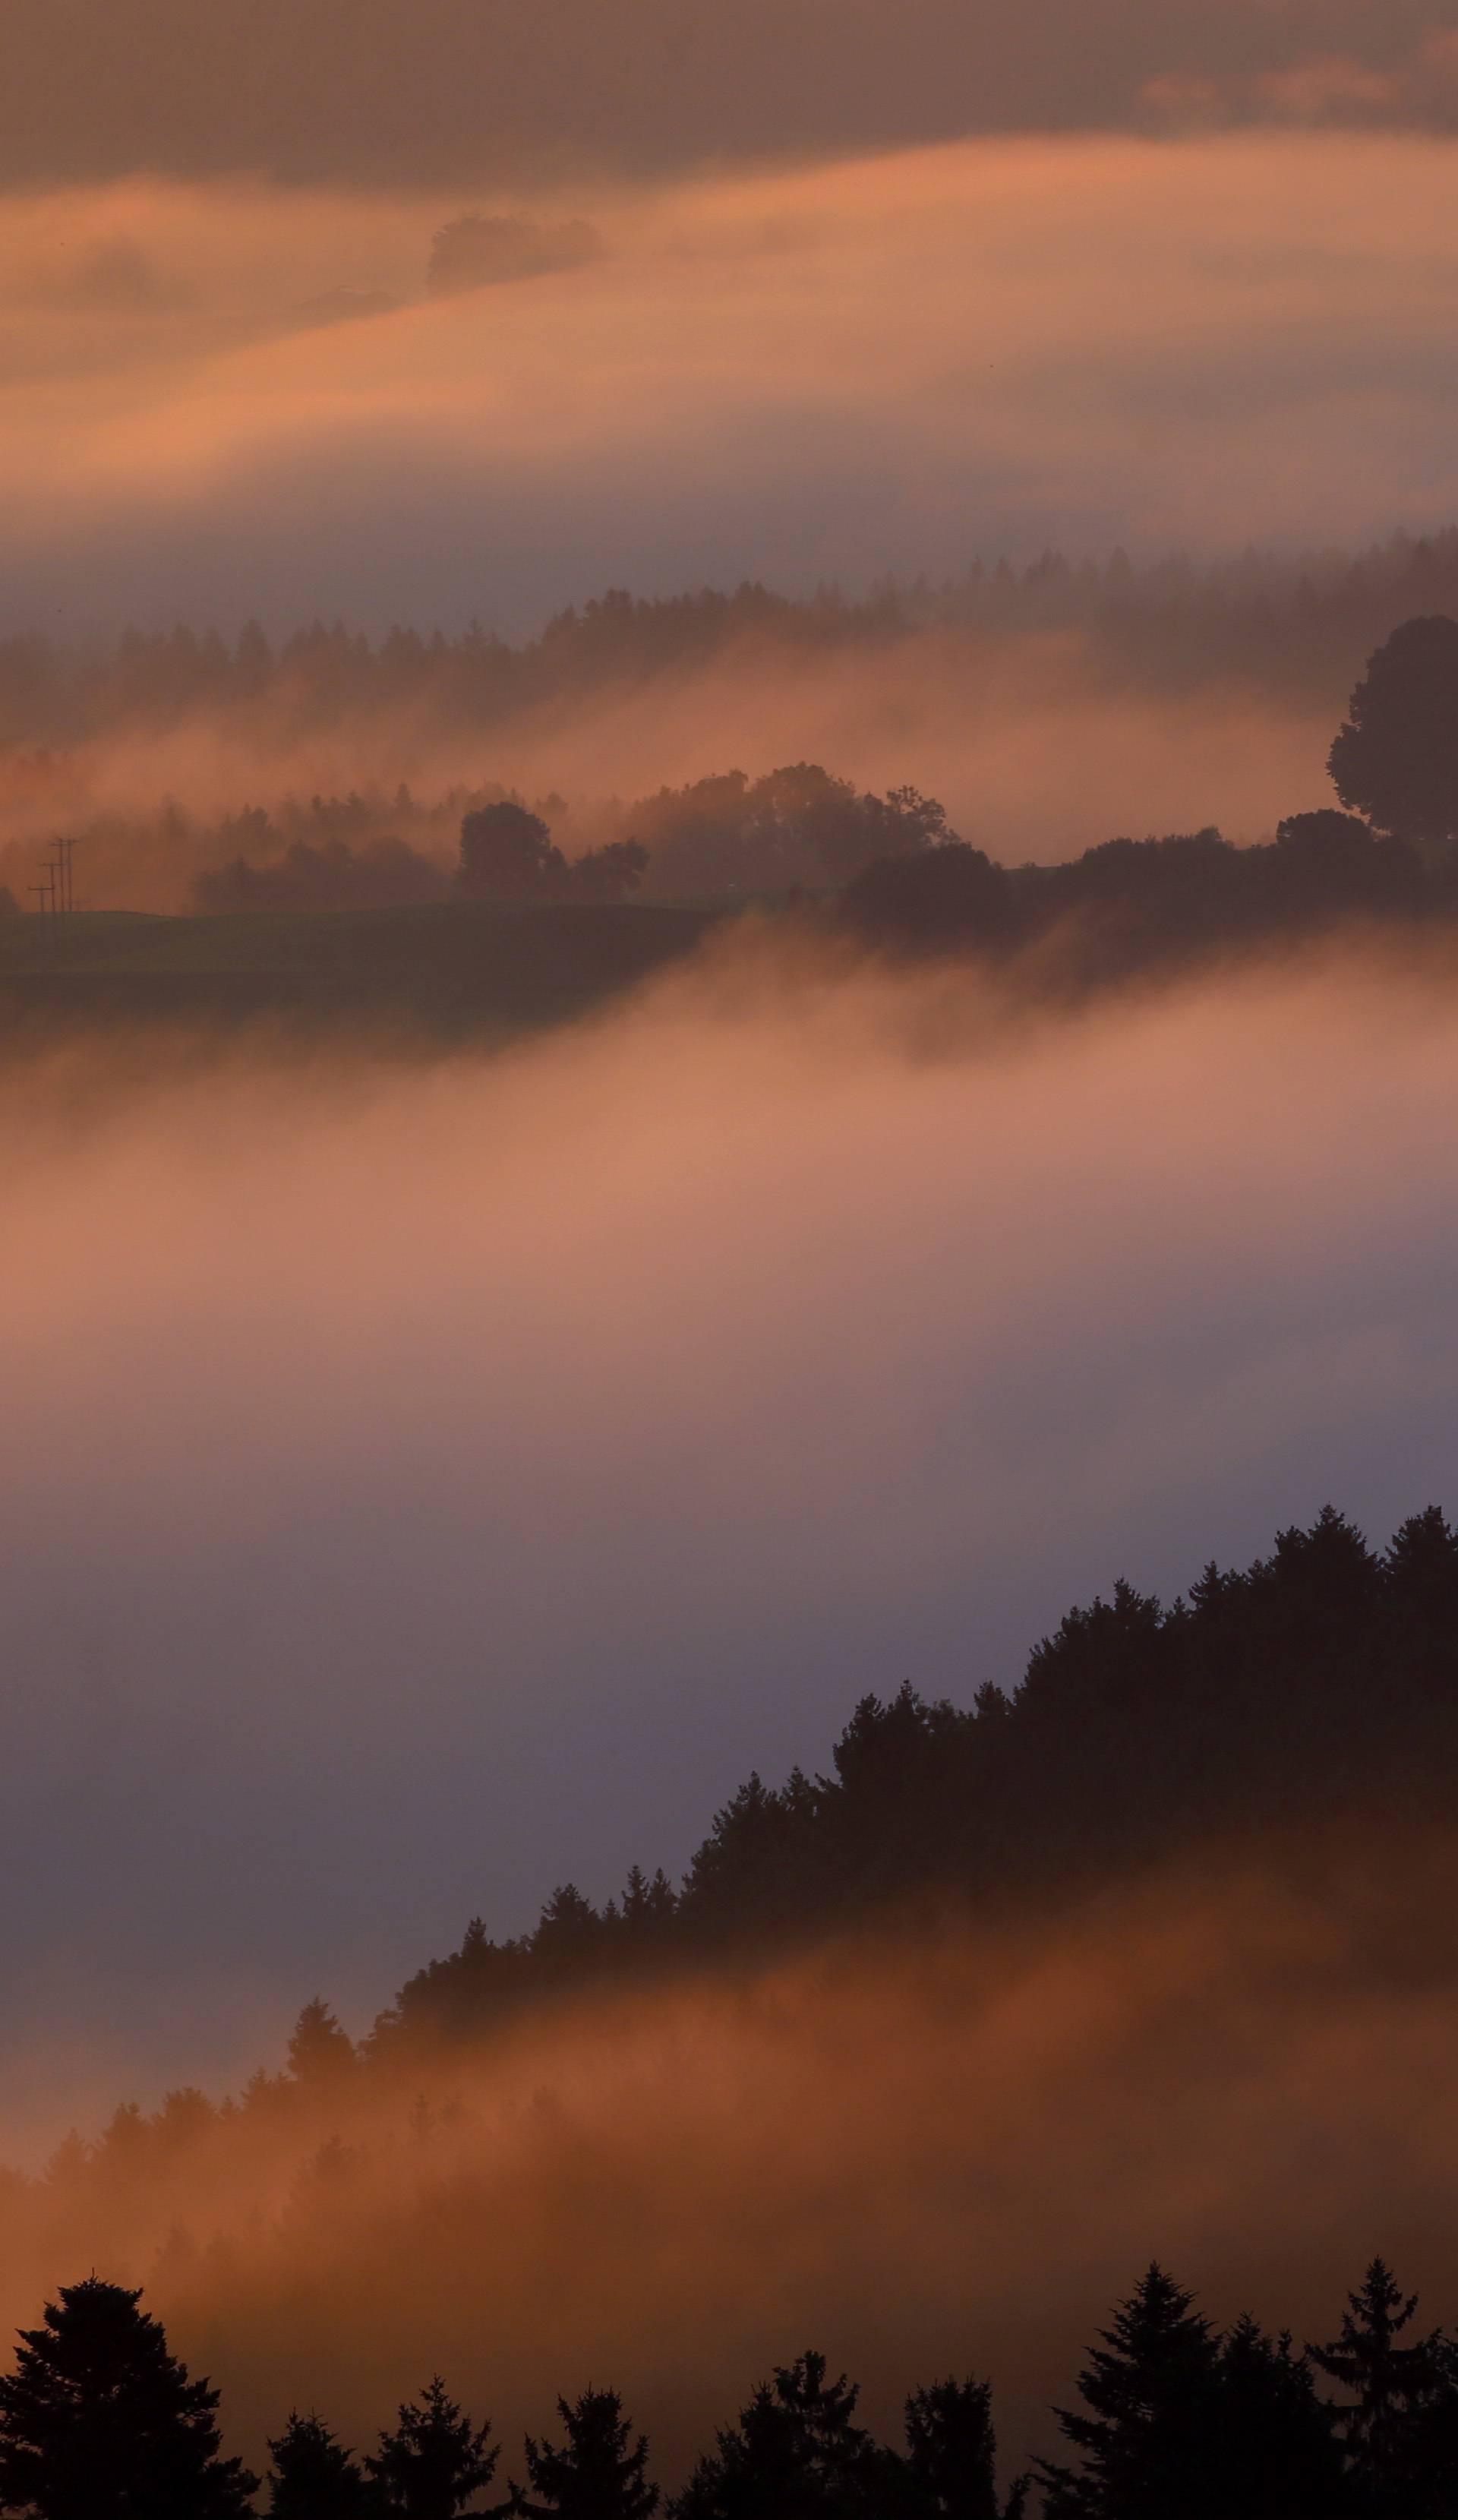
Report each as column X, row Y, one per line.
column 1296, row 621
column 1324, row 1677
column 888, row 868
column 1277, row 1709
column 1174, row 2420
column 1272, row 1707
column 892, row 870
column 1390, row 853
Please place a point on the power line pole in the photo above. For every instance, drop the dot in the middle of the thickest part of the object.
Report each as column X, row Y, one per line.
column 45, row 903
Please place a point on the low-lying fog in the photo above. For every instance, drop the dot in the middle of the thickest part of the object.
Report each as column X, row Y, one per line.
column 948, row 2155
column 426, row 1482
column 1029, row 746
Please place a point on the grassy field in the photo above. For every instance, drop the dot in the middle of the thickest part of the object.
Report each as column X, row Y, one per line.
column 452, row 970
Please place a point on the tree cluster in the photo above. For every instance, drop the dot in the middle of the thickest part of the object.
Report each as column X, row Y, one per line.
column 508, row 854
column 1176, row 2420
column 1131, row 903
column 721, row 838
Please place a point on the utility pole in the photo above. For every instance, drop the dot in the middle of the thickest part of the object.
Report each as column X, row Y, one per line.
column 45, row 903
column 56, row 893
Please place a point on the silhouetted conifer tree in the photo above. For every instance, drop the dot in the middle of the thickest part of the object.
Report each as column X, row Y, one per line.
column 435, row 2462
column 1280, row 2455
column 314, row 2476
column 795, row 2453
column 99, row 2421
column 1402, row 2420
column 599, row 2471
column 320, row 2051
column 952, row 2454
column 1150, row 2441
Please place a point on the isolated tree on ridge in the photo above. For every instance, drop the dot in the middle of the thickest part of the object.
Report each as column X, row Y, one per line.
column 1396, row 758
column 508, row 852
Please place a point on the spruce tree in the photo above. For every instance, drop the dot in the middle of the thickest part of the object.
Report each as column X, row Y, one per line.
column 314, row 2476
column 1150, row 2441
column 320, row 2055
column 99, row 2421
column 795, row 2453
column 599, row 2472
column 1398, row 2423
column 1281, row 2458
column 435, row 2462
column 952, row 2454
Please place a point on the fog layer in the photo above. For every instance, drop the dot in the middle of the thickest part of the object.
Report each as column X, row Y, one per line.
column 424, row 1483
column 1034, row 751
column 882, row 364
column 953, row 2153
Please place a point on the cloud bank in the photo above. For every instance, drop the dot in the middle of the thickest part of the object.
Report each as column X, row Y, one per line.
column 955, row 2152
column 885, row 364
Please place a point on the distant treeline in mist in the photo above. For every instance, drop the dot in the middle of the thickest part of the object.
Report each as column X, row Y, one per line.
column 801, row 830
column 884, row 871
column 1296, row 621
column 1174, row 2420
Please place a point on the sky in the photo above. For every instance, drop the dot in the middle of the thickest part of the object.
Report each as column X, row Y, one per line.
column 371, row 92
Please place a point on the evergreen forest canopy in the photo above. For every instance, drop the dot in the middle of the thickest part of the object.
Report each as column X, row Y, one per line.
column 1319, row 1681
column 1299, row 1708
column 1175, row 2420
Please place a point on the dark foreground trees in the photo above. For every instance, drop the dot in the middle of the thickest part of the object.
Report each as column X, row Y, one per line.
column 598, row 2471
column 797, row 2452
column 314, row 2477
column 1400, row 2419
column 1176, row 2420
column 98, row 2421
column 435, row 2462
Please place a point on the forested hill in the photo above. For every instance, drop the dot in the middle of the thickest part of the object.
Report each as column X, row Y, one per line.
column 1318, row 1687
column 1299, row 622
